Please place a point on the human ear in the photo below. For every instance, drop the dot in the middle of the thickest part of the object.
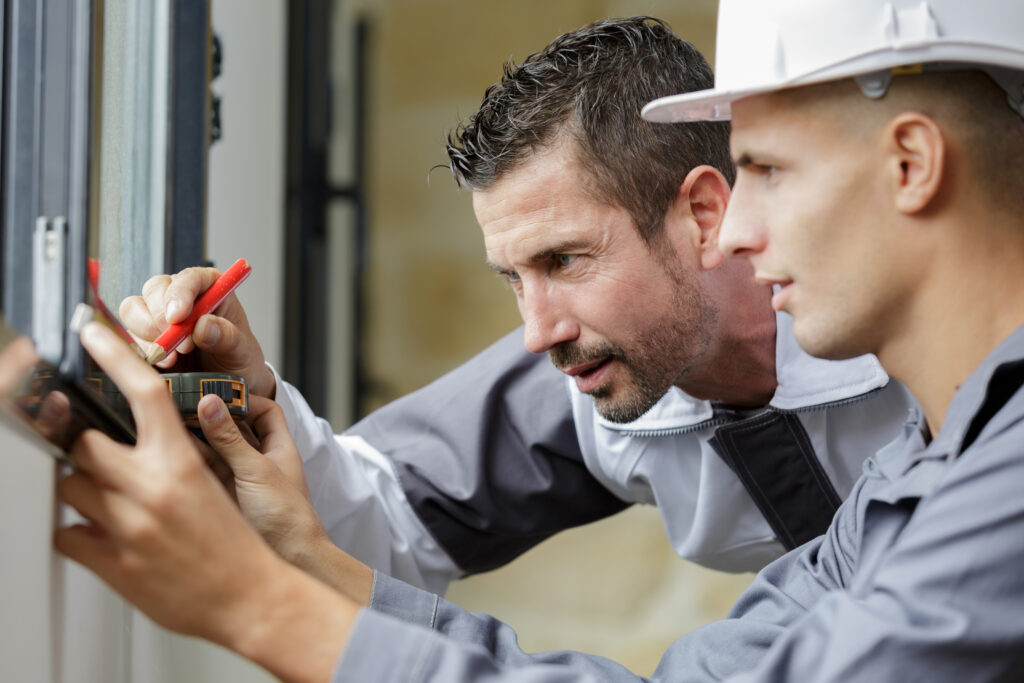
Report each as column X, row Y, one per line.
column 704, row 195
column 917, row 154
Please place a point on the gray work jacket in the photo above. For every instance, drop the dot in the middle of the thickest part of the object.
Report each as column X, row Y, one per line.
column 482, row 464
column 920, row 577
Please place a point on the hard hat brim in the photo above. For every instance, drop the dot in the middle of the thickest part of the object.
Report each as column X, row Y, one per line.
column 703, row 105
column 715, row 104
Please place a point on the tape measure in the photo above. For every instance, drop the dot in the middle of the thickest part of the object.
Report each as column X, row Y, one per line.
column 98, row 403
column 187, row 388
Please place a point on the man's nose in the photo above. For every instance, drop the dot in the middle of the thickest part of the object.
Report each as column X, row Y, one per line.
column 741, row 233
column 547, row 321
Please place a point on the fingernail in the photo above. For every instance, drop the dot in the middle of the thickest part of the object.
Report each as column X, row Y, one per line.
column 174, row 307
column 91, row 331
column 212, row 410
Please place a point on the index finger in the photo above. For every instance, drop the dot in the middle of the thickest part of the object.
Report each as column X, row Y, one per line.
column 155, row 414
column 183, row 290
column 16, row 361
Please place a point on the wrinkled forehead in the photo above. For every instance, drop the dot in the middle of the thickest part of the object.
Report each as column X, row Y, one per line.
column 542, row 209
column 549, row 173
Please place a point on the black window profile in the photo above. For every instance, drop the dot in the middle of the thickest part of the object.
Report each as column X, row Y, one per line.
column 54, row 147
column 46, row 123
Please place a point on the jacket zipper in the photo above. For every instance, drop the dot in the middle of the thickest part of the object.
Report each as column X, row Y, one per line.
column 722, row 420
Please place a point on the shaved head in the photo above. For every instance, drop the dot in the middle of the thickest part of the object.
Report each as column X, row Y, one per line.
column 968, row 106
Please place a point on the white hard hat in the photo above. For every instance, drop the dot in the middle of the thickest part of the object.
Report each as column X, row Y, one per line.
column 767, row 45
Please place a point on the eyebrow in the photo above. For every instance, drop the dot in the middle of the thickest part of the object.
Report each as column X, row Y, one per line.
column 565, row 246
column 500, row 270
column 756, row 158
column 743, row 160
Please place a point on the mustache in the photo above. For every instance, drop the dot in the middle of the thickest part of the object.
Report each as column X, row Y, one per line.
column 571, row 354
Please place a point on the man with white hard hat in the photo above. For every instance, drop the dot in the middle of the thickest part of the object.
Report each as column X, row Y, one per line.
column 880, row 189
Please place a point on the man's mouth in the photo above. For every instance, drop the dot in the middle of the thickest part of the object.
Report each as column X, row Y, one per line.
column 590, row 376
column 782, row 289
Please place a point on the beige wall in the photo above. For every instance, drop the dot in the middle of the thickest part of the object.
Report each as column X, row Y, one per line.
column 615, row 587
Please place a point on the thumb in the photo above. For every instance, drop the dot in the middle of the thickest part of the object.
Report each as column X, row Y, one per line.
column 222, row 338
column 232, row 348
column 223, row 435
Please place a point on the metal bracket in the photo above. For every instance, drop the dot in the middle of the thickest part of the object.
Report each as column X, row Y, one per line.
column 49, row 270
column 874, row 84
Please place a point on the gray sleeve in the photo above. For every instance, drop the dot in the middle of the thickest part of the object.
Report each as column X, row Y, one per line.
column 488, row 456
column 411, row 635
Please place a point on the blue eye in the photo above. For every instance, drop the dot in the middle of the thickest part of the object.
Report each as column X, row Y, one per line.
column 565, row 259
column 513, row 276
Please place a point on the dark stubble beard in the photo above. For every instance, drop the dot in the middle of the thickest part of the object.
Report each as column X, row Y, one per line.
column 657, row 357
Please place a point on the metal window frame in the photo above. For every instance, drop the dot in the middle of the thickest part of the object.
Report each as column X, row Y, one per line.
column 3, row 137
column 191, row 49
column 130, row 161
column 309, row 193
column 305, row 309
column 46, row 122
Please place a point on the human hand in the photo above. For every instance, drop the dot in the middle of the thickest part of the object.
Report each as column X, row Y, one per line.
column 269, row 486
column 267, row 481
column 16, row 361
column 161, row 531
column 224, row 341
column 48, row 414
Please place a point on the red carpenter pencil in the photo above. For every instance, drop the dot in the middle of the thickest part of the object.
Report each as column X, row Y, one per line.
column 207, row 302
